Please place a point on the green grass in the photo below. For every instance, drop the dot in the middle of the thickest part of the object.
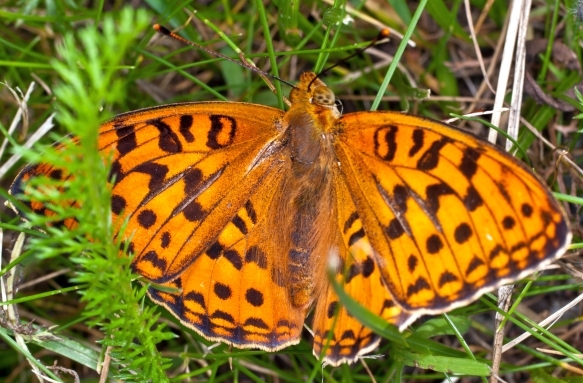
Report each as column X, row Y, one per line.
column 87, row 292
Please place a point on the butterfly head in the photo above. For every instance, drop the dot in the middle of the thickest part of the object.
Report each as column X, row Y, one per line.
column 312, row 90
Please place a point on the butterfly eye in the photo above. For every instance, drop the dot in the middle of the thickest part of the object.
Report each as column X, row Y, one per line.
column 323, row 96
column 339, row 106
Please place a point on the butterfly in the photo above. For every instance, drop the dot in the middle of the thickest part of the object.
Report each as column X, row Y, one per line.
column 241, row 209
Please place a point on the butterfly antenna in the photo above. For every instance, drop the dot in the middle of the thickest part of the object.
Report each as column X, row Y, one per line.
column 167, row 32
column 384, row 33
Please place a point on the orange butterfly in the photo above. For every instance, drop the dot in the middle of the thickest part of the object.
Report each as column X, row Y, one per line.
column 242, row 208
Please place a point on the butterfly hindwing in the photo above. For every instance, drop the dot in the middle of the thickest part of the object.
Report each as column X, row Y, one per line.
column 236, row 291
column 359, row 275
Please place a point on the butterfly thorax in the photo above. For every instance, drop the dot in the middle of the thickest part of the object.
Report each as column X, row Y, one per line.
column 308, row 209
column 310, row 123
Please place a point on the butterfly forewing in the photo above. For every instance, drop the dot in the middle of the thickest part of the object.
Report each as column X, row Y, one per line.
column 198, row 164
column 448, row 216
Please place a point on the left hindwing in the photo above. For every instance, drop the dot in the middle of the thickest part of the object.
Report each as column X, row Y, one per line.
column 448, row 215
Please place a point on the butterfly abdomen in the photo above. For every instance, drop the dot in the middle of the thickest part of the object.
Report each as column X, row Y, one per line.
column 309, row 213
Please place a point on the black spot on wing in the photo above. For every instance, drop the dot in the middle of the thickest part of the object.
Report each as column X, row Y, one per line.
column 447, row 277
column 251, row 212
column 254, row 297
column 168, row 140
column 462, row 233
column 155, row 260
column 240, row 224
column 420, row 284
column 157, row 173
column 474, row 264
column 400, row 197
column 115, row 173
column 219, row 314
column 469, row 163
column 526, row 210
column 193, row 180
column 434, row 244
column 123, row 131
column 331, row 309
column 508, row 222
column 194, row 185
column 412, row 263
column 196, row 297
column 348, row 334
column 118, row 204
column 394, row 229
column 518, row 246
column 56, row 174
column 215, row 250
column 496, row 251
column 433, row 193
column 222, row 132
column 472, row 200
column 127, row 140
column 364, row 268
column 398, row 204
column 353, row 271
column 504, row 192
column 222, row 291
column 256, row 322
column 367, row 267
column 418, row 139
column 387, row 304
column 147, row 218
column 430, row 158
column 385, row 142
column 194, row 212
column 350, row 221
column 234, row 258
column 186, row 122
column 545, row 216
column 165, row 240
column 356, row 236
